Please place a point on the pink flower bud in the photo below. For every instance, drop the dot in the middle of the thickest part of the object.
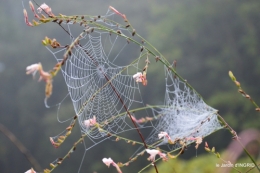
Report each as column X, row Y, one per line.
column 31, row 6
column 117, row 12
column 26, row 18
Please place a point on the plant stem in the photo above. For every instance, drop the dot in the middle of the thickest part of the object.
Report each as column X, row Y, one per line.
column 233, row 132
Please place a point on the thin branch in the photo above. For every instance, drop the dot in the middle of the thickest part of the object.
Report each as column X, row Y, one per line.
column 235, row 137
column 20, row 146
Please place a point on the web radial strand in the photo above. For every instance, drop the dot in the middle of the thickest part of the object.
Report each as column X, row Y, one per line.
column 185, row 114
column 99, row 80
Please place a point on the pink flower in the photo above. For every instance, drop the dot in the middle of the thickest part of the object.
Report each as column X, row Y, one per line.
column 142, row 120
column 32, row 69
column 139, row 77
column 164, row 134
column 90, row 122
column 53, row 143
column 163, row 156
column 197, row 139
column 30, row 171
column 110, row 161
column 206, row 145
column 45, row 8
column 153, row 154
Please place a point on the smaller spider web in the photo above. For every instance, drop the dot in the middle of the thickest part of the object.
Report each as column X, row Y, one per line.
column 184, row 116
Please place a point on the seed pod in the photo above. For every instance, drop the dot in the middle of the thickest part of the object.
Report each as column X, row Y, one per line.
column 52, row 165
column 213, row 149
column 68, row 133
column 133, row 33
column 46, row 171
column 207, row 149
column 237, row 83
column 142, row 48
column 231, row 76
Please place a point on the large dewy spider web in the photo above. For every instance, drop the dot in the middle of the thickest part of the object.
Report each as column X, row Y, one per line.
column 99, row 77
column 94, row 80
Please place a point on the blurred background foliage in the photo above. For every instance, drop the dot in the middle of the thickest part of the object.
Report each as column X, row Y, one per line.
column 207, row 38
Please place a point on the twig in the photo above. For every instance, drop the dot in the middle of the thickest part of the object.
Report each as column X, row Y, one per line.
column 20, row 146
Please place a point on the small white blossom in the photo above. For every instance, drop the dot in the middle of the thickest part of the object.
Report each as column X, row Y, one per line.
column 32, row 69
column 110, row 161
column 107, row 161
column 138, row 76
column 30, row 171
column 153, row 154
column 163, row 134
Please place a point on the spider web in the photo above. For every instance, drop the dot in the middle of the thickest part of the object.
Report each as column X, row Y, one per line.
column 185, row 115
column 99, row 78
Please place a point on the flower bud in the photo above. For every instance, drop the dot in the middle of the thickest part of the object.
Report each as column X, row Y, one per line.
column 207, row 149
column 44, row 43
column 171, row 156
column 231, row 76
column 68, row 133
column 62, row 137
column 237, row 83
column 31, row 6
column 35, row 23
column 52, row 165
column 46, row 171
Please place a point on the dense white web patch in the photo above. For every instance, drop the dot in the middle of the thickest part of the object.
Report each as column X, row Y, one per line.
column 185, row 115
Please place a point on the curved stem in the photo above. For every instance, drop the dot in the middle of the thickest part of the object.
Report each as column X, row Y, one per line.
column 235, row 137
